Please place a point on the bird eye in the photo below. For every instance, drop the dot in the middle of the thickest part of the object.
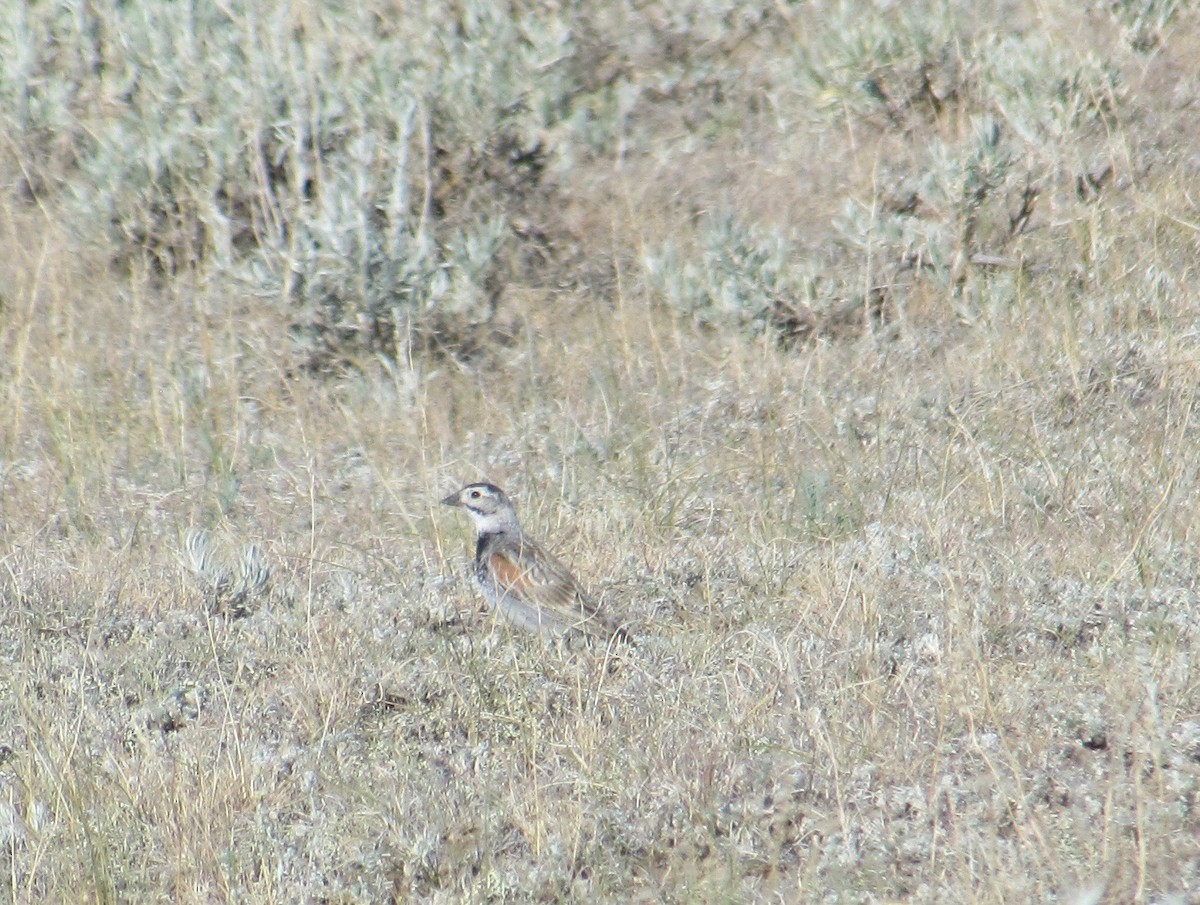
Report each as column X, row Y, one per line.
column 475, row 494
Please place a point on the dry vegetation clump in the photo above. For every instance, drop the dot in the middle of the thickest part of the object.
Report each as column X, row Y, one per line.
column 848, row 348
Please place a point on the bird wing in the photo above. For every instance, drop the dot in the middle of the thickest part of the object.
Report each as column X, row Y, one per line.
column 540, row 580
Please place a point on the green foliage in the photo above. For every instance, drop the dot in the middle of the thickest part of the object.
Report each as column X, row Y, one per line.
column 734, row 279
column 854, row 62
column 973, row 124
column 386, row 173
column 1143, row 21
column 361, row 165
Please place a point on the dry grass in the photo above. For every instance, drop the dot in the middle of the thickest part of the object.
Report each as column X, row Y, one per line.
column 916, row 594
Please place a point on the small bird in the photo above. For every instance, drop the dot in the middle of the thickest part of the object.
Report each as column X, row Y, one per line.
column 527, row 586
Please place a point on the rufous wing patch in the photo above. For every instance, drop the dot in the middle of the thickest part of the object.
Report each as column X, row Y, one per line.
column 509, row 576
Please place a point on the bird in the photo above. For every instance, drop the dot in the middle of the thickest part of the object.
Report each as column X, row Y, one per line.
column 523, row 583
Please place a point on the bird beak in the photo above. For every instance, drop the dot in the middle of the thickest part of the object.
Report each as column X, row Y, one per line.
column 452, row 500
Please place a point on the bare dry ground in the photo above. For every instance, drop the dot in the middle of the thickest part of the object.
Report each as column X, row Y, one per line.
column 851, row 350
